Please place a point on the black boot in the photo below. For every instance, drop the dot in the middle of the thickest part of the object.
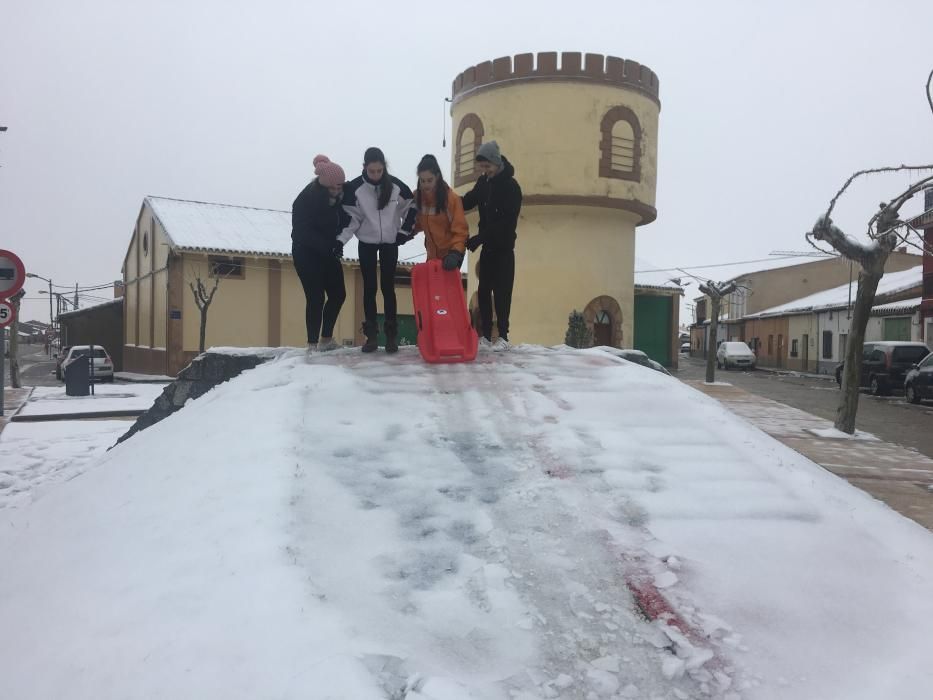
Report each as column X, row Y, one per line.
column 371, row 331
column 391, row 329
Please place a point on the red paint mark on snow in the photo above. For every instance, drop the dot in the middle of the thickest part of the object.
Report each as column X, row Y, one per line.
column 654, row 606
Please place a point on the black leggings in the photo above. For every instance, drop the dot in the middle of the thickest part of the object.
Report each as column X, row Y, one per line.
column 388, row 259
column 496, row 275
column 320, row 274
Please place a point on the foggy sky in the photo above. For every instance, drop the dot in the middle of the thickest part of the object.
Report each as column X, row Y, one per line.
column 765, row 112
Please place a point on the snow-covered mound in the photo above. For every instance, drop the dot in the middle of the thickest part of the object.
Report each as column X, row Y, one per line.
column 540, row 523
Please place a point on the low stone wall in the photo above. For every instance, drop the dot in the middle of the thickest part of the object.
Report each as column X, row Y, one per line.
column 203, row 374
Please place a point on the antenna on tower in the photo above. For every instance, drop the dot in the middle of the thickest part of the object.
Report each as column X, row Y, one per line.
column 444, row 117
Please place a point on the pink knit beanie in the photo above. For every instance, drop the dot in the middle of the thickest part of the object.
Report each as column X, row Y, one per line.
column 328, row 174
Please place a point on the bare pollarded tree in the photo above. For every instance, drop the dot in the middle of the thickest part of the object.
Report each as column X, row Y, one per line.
column 203, row 299
column 886, row 231
column 716, row 291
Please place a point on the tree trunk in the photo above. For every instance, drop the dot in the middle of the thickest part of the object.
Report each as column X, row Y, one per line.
column 867, row 286
column 203, row 329
column 711, row 346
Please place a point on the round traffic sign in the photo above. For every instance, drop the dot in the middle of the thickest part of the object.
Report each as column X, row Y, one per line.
column 12, row 274
column 6, row 314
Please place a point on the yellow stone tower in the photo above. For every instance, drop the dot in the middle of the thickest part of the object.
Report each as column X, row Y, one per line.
column 582, row 133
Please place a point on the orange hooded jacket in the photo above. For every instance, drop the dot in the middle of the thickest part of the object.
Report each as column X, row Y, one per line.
column 444, row 231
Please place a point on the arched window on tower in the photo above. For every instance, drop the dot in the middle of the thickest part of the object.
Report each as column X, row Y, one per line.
column 469, row 138
column 620, row 145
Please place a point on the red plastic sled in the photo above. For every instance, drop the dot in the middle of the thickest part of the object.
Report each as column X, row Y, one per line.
column 444, row 331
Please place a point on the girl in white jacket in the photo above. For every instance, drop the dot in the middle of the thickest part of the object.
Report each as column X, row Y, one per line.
column 381, row 218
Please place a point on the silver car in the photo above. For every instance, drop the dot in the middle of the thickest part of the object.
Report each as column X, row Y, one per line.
column 735, row 353
column 103, row 365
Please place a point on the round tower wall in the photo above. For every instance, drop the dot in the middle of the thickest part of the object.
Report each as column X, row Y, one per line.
column 552, row 133
column 565, row 257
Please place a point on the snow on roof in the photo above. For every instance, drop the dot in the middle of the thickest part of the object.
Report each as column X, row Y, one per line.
column 838, row 297
column 205, row 227
column 907, row 306
column 109, row 302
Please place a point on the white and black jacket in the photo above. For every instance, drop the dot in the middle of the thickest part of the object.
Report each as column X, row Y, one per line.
column 369, row 223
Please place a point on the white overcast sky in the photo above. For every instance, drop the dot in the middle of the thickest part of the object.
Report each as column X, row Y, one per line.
column 766, row 108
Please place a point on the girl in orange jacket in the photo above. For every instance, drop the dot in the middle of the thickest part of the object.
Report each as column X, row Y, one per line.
column 445, row 226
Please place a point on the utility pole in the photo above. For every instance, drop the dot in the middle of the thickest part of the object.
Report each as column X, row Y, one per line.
column 51, row 317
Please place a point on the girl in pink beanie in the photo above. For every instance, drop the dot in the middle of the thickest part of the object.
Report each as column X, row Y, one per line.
column 317, row 218
column 328, row 174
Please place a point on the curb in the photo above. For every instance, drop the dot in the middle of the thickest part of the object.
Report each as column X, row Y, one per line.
column 128, row 413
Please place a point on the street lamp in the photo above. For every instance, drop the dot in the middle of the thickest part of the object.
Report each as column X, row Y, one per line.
column 51, row 320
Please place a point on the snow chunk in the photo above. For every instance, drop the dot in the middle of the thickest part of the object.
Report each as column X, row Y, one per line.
column 840, row 435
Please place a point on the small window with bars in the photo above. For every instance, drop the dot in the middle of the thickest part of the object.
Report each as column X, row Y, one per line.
column 620, row 145
column 227, row 268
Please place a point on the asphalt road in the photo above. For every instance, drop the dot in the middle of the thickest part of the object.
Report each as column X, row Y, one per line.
column 35, row 367
column 890, row 418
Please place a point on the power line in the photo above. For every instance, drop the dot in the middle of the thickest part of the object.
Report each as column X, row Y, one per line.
column 729, row 264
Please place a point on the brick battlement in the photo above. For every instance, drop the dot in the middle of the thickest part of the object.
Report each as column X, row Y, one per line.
column 591, row 67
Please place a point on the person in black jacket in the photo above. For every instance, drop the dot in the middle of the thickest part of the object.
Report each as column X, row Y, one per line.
column 499, row 199
column 317, row 219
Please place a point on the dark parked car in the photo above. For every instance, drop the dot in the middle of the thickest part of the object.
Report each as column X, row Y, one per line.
column 885, row 364
column 636, row 356
column 918, row 384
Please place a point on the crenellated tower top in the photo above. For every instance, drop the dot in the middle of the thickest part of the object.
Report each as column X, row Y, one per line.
column 544, row 66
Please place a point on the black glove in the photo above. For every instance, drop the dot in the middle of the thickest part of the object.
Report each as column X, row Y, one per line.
column 403, row 238
column 473, row 242
column 452, row 260
column 338, row 250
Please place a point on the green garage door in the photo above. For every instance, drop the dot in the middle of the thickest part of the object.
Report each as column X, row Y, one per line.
column 653, row 316
column 407, row 330
column 897, row 328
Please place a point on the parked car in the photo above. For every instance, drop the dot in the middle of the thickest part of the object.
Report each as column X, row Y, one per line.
column 735, row 353
column 918, row 384
column 885, row 364
column 638, row 357
column 103, row 365
column 59, row 358
column 685, row 347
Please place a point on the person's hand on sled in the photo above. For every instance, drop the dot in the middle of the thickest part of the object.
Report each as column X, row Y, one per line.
column 452, row 260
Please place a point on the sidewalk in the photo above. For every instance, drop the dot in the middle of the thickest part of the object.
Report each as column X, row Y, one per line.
column 13, row 399
column 900, row 477
column 107, row 401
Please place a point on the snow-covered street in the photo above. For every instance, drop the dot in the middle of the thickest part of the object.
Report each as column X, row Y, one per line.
column 374, row 527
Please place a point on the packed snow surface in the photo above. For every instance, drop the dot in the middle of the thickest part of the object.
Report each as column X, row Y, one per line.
column 375, row 527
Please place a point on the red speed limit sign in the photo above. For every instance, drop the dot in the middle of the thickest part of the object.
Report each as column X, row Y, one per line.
column 6, row 314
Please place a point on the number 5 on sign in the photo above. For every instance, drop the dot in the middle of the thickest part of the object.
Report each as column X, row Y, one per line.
column 6, row 314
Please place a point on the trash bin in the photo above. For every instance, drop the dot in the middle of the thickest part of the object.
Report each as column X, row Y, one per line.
column 77, row 377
